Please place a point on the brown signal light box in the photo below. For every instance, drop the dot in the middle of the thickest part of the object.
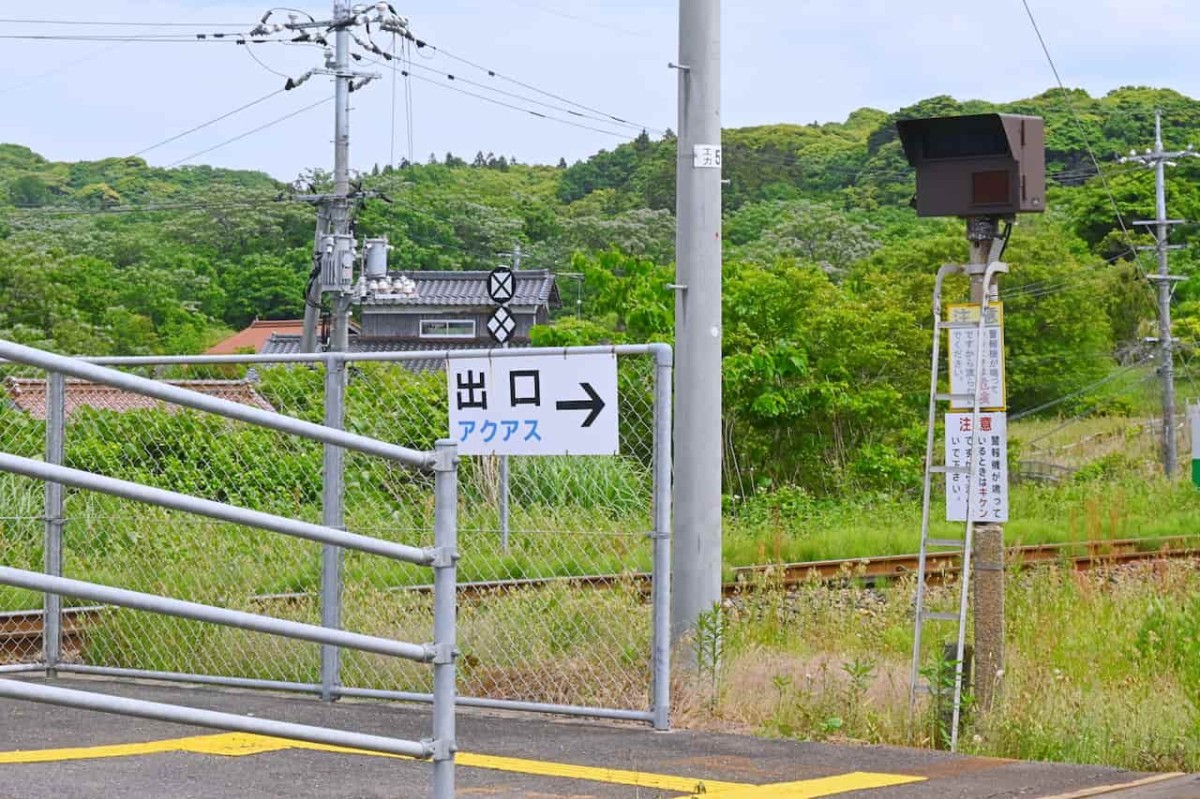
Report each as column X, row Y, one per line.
column 978, row 165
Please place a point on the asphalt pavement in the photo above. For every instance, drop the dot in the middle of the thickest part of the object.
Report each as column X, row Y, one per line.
column 58, row 753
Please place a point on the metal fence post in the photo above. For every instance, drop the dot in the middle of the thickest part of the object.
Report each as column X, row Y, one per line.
column 504, row 504
column 52, row 554
column 333, row 514
column 661, row 579
column 445, row 601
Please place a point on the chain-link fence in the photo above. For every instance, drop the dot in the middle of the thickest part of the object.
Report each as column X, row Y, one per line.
column 563, row 601
column 122, row 441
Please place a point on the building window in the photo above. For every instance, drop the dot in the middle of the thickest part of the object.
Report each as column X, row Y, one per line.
column 447, row 328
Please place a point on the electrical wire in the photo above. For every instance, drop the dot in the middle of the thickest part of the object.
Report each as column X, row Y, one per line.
column 604, row 118
column 1082, row 414
column 32, row 212
column 1078, row 392
column 250, row 52
column 215, row 38
column 102, row 51
column 112, row 23
column 501, row 103
column 1083, row 134
column 213, row 121
column 392, row 140
column 251, row 132
column 408, row 99
column 421, row 45
column 585, row 20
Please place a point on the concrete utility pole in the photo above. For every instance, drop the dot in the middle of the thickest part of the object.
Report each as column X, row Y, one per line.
column 333, row 210
column 339, row 205
column 333, row 258
column 698, row 438
column 336, row 211
column 988, row 545
column 1158, row 159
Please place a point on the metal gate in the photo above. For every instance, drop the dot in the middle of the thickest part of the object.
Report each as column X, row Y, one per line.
column 100, row 493
column 563, row 578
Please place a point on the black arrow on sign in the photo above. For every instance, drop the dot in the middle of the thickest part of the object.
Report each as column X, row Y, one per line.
column 593, row 403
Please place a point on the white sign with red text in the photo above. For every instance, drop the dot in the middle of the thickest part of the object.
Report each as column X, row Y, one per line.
column 987, row 484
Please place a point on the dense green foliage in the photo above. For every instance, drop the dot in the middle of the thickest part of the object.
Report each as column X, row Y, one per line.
column 827, row 272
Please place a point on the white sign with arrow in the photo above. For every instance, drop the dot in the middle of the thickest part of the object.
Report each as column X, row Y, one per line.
column 534, row 405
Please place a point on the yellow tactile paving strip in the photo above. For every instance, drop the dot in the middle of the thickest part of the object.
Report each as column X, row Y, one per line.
column 241, row 745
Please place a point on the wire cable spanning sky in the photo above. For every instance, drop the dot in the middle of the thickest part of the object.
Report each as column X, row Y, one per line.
column 143, row 77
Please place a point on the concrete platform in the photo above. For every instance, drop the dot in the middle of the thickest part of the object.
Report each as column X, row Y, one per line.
column 54, row 752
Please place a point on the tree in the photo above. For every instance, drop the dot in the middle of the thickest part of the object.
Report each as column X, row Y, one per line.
column 28, row 191
column 803, row 231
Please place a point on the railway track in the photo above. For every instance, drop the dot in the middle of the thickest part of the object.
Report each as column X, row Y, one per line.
column 1082, row 556
column 21, row 631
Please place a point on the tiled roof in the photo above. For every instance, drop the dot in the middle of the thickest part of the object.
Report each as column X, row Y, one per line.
column 255, row 336
column 469, row 289
column 283, row 344
column 29, row 395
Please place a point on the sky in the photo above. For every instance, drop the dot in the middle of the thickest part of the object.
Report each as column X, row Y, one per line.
column 796, row 61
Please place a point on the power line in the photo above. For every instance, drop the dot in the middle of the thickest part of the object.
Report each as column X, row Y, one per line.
column 263, row 127
column 392, row 139
column 1079, row 127
column 31, row 212
column 168, row 38
column 114, row 23
column 213, row 121
column 408, row 100
column 259, row 61
column 585, row 20
column 513, row 95
column 501, row 103
column 96, row 53
column 421, row 44
column 1081, row 414
column 1089, row 387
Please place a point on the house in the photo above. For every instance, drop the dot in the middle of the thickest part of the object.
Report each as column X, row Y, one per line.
column 29, row 395
column 254, row 337
column 434, row 311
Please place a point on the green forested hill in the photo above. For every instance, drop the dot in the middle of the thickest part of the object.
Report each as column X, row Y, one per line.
column 828, row 272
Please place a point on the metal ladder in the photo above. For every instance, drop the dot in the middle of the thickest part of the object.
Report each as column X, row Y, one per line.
column 957, row 546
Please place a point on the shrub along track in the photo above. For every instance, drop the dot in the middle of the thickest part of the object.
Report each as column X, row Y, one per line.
column 21, row 631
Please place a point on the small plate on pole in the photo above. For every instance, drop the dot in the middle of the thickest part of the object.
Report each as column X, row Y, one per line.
column 502, row 285
column 501, row 325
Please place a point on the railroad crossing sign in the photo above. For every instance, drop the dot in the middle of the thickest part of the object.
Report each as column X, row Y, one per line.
column 501, row 325
column 502, row 285
column 534, row 405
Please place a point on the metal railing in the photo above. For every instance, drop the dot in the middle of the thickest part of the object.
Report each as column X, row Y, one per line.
column 530, row 640
column 442, row 557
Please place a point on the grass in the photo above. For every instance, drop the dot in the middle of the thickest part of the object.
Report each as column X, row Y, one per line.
column 1118, row 683
column 1133, row 506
